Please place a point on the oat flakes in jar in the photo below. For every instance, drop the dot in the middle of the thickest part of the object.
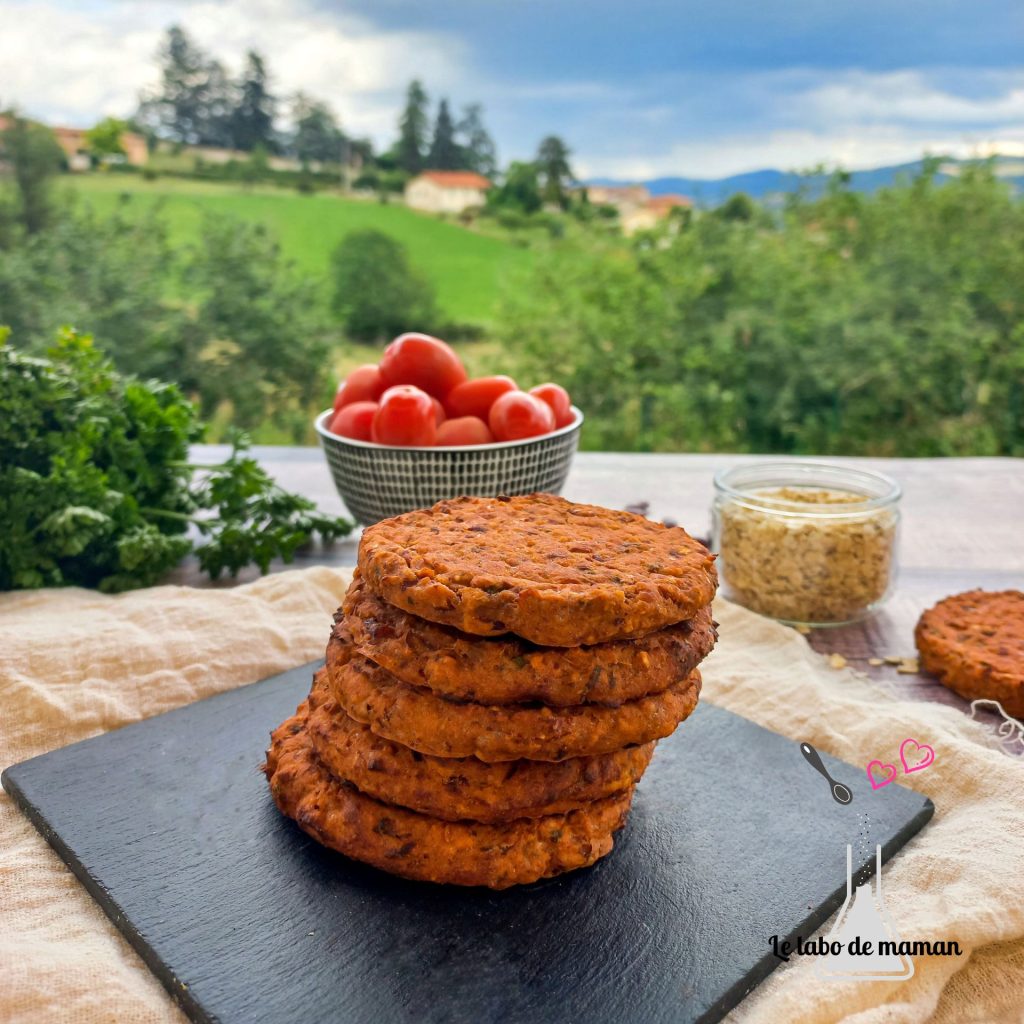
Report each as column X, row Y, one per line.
column 806, row 542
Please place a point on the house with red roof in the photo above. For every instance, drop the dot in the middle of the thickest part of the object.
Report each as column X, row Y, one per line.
column 652, row 212
column 446, row 191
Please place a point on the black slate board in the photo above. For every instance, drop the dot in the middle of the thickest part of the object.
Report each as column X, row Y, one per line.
column 732, row 839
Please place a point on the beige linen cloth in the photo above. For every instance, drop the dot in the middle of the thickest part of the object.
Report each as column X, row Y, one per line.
column 74, row 664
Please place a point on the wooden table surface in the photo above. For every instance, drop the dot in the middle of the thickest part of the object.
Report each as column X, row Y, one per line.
column 962, row 527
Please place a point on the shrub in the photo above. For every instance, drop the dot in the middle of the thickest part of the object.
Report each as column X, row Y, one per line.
column 377, row 293
column 889, row 324
column 256, row 336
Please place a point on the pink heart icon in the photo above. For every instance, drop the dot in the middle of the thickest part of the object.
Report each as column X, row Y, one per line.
column 924, row 755
column 883, row 766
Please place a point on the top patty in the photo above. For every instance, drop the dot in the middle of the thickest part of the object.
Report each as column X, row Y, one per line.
column 546, row 569
column 974, row 643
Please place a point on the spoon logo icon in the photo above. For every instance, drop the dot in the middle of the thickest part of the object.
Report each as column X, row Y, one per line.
column 840, row 793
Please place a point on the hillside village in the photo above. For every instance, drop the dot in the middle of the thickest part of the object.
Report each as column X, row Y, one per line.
column 433, row 191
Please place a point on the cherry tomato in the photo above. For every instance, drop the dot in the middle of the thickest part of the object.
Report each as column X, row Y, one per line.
column 405, row 417
column 355, row 420
column 363, row 384
column 439, row 416
column 558, row 398
column 425, row 362
column 464, row 430
column 516, row 415
column 475, row 397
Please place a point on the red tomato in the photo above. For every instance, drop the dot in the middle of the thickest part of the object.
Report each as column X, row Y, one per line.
column 423, row 361
column 464, row 430
column 439, row 416
column 558, row 398
column 405, row 417
column 475, row 397
column 363, row 384
column 516, row 415
column 355, row 420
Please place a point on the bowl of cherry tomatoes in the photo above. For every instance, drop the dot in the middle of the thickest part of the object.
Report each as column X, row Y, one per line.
column 415, row 429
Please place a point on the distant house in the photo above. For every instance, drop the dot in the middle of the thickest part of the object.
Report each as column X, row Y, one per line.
column 76, row 150
column 446, row 191
column 652, row 212
column 619, row 196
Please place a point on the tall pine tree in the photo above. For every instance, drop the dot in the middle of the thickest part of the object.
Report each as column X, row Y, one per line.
column 555, row 172
column 317, row 135
column 478, row 152
column 252, row 120
column 444, row 153
column 191, row 103
column 412, row 129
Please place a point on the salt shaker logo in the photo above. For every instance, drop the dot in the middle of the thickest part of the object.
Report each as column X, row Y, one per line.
column 866, row 936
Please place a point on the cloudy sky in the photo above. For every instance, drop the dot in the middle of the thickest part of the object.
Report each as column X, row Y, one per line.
column 640, row 88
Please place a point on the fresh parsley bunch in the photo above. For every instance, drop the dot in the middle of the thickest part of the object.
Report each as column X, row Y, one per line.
column 96, row 489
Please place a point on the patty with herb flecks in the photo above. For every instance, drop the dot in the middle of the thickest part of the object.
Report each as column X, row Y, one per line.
column 548, row 570
column 460, row 788
column 509, row 670
column 402, row 842
column 429, row 724
column 974, row 643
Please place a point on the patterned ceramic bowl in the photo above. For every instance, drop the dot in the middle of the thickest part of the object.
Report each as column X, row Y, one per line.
column 377, row 481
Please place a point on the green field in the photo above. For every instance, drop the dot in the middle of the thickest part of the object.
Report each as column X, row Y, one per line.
column 468, row 269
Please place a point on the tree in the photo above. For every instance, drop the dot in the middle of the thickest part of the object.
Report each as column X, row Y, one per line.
column 257, row 336
column 847, row 324
column 193, row 100
column 252, row 119
column 520, row 190
column 218, row 107
column 376, row 291
column 104, row 138
column 553, row 165
column 444, row 153
column 105, row 272
column 317, row 135
column 34, row 156
column 412, row 129
column 478, row 151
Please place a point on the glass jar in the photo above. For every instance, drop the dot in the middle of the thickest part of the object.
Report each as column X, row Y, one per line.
column 808, row 543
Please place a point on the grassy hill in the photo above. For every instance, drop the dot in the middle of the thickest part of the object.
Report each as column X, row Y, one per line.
column 467, row 268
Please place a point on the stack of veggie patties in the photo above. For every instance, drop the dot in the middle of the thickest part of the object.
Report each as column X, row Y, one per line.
column 495, row 683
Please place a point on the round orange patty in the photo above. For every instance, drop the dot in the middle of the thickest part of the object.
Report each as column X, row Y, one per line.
column 416, row 846
column 508, row 669
column 461, row 788
column 445, row 728
column 974, row 644
column 539, row 566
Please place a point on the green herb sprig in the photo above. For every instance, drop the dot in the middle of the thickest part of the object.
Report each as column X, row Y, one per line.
column 97, row 490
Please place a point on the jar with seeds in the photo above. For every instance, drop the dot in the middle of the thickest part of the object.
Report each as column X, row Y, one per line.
column 806, row 542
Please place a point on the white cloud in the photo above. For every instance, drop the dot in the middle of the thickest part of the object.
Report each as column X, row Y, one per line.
column 74, row 64
column 908, row 96
column 798, row 151
column 848, row 118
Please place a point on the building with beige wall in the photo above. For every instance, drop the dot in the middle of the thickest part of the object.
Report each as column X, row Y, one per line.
column 620, row 196
column 446, row 191
column 651, row 213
